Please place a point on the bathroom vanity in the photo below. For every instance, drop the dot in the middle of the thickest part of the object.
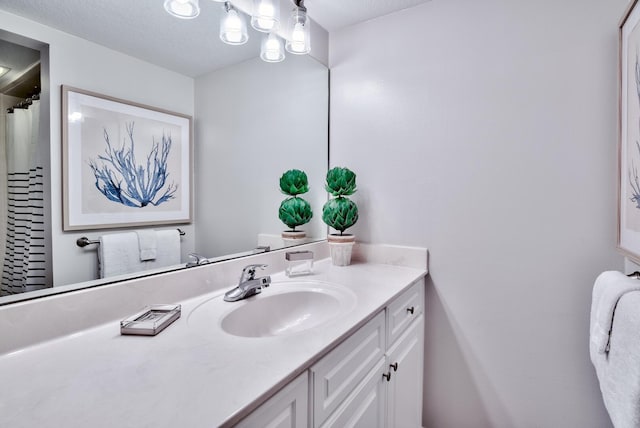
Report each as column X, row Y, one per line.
column 344, row 344
column 372, row 379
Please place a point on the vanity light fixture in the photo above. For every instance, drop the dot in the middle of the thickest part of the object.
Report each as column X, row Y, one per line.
column 298, row 35
column 266, row 15
column 233, row 27
column 272, row 49
column 184, row 9
column 4, row 70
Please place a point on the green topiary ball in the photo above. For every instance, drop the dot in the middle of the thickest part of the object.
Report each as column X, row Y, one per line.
column 295, row 212
column 340, row 213
column 341, row 182
column 294, row 182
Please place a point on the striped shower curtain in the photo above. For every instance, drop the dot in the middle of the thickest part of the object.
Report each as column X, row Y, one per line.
column 25, row 254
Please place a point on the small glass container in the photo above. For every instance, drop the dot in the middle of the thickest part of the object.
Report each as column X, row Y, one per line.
column 299, row 263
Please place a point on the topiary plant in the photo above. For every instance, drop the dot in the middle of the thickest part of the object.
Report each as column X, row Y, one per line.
column 294, row 211
column 294, row 182
column 340, row 213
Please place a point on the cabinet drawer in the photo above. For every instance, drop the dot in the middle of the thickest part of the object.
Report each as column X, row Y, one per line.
column 337, row 374
column 404, row 309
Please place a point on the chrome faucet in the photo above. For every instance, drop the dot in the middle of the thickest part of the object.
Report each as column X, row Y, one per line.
column 248, row 285
column 196, row 260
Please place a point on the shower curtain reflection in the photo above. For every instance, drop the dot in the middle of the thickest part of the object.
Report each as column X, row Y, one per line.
column 24, row 252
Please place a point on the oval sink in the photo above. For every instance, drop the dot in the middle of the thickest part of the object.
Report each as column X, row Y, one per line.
column 282, row 308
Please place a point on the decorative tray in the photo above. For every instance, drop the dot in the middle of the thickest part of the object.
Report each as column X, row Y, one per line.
column 151, row 320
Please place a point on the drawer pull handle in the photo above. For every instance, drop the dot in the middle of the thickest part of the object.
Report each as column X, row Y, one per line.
column 410, row 310
column 394, row 366
column 387, row 376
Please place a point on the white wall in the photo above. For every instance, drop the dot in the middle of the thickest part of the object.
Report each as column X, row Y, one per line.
column 486, row 131
column 82, row 64
column 254, row 121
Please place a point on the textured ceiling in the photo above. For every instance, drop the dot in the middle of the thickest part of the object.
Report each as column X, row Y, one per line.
column 142, row 28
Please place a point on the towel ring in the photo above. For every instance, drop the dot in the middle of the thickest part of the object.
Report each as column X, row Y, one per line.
column 84, row 241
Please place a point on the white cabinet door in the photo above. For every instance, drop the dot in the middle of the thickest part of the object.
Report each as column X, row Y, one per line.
column 288, row 408
column 338, row 373
column 365, row 407
column 404, row 364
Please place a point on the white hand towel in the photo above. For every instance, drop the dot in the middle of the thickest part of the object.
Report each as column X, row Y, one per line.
column 147, row 243
column 619, row 369
column 118, row 254
column 168, row 248
column 608, row 289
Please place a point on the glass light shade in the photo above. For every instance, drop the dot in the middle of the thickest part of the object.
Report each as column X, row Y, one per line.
column 233, row 27
column 298, row 35
column 266, row 15
column 185, row 9
column 272, row 49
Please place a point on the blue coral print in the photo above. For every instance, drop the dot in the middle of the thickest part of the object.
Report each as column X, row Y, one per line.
column 122, row 180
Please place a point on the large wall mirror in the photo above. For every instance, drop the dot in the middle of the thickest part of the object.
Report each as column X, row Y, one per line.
column 252, row 122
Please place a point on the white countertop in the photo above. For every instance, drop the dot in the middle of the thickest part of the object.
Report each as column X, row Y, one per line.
column 182, row 377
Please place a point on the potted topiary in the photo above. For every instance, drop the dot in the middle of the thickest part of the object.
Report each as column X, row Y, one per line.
column 340, row 213
column 294, row 211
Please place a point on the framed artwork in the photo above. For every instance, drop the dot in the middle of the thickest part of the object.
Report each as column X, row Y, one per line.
column 629, row 134
column 123, row 164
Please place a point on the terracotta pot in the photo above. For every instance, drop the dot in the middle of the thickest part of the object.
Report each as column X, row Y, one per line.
column 341, row 247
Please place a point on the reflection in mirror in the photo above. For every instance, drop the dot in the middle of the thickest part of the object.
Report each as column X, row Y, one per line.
column 252, row 122
column 24, row 233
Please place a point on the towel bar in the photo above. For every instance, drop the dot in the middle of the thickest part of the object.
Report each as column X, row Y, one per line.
column 84, row 241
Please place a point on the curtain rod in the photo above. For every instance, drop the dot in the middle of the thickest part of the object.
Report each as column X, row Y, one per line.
column 24, row 104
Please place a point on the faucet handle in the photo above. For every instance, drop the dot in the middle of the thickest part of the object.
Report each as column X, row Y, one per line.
column 249, row 272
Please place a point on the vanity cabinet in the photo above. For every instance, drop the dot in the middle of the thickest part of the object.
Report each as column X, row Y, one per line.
column 364, row 407
column 404, row 388
column 405, row 355
column 349, row 375
column 288, row 408
column 373, row 379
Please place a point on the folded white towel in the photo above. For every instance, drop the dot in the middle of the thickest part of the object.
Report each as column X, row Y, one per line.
column 147, row 243
column 608, row 289
column 119, row 253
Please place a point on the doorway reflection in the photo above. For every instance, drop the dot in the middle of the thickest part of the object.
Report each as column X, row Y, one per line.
column 22, row 222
